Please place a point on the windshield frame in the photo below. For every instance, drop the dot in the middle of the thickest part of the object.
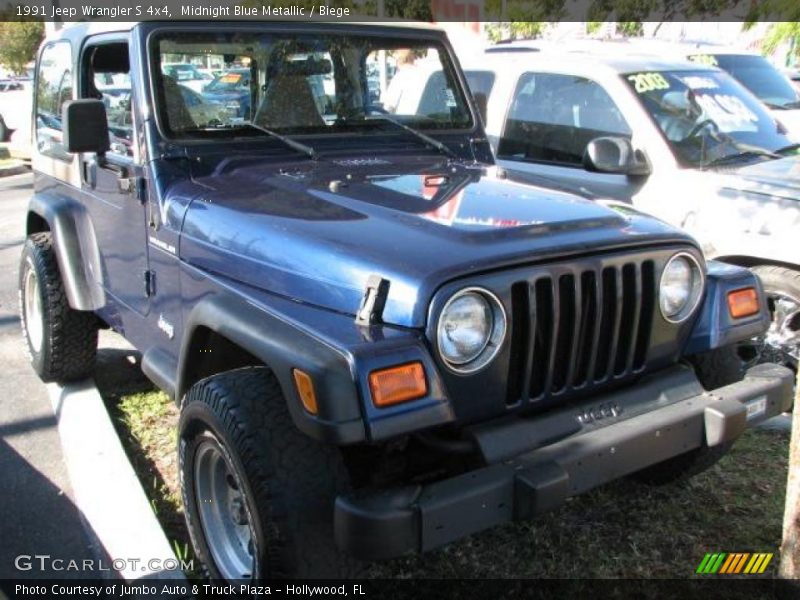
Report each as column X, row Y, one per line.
column 432, row 37
column 684, row 70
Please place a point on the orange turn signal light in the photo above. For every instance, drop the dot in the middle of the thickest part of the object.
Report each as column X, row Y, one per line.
column 743, row 303
column 305, row 389
column 398, row 384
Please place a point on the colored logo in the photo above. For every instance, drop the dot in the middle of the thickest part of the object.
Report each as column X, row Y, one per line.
column 722, row 563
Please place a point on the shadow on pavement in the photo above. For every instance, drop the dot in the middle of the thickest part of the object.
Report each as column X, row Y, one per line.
column 118, row 373
column 40, row 542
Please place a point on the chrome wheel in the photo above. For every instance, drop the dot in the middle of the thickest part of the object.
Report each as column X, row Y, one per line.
column 781, row 342
column 224, row 513
column 32, row 306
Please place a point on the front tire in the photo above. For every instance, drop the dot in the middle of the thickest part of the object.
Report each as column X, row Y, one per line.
column 61, row 341
column 719, row 367
column 258, row 494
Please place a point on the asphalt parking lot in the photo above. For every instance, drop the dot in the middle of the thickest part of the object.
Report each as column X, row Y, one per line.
column 39, row 516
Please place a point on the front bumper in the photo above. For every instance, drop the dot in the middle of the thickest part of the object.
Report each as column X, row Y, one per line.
column 618, row 434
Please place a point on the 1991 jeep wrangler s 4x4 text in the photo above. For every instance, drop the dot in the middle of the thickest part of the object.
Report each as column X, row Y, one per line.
column 379, row 342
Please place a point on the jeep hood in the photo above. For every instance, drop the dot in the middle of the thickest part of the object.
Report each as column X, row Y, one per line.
column 316, row 232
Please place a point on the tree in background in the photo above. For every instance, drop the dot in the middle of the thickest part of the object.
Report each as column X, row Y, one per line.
column 626, row 28
column 779, row 33
column 790, row 548
column 787, row 29
column 409, row 9
column 18, row 43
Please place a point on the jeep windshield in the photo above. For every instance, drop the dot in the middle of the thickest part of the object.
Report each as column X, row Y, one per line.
column 309, row 84
column 708, row 118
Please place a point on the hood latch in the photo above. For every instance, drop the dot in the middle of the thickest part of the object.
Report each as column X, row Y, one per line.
column 375, row 294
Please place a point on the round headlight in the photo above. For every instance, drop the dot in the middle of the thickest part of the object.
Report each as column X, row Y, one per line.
column 471, row 329
column 681, row 287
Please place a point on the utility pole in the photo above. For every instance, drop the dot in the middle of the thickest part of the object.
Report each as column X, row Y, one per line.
column 790, row 548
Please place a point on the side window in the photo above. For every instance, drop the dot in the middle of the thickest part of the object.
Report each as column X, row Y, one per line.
column 106, row 77
column 553, row 117
column 53, row 89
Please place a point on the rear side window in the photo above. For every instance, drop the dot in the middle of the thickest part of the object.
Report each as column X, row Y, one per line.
column 53, row 89
column 553, row 117
column 106, row 76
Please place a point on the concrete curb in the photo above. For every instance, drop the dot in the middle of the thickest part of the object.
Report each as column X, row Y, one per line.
column 17, row 168
column 107, row 490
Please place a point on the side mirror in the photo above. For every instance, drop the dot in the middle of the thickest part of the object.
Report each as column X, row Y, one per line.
column 615, row 155
column 482, row 103
column 85, row 126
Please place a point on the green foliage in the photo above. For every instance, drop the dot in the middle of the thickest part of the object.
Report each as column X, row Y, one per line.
column 786, row 11
column 778, row 33
column 630, row 28
column 419, row 10
column 18, row 43
column 593, row 27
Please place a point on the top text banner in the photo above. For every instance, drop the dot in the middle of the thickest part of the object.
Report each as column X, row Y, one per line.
column 433, row 10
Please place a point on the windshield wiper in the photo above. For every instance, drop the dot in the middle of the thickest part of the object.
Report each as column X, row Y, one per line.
column 792, row 104
column 294, row 144
column 745, row 151
column 742, row 150
column 787, row 149
column 415, row 132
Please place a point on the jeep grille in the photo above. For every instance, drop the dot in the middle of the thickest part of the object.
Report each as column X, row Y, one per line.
column 577, row 328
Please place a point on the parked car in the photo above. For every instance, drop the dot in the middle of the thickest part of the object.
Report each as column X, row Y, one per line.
column 15, row 119
column 232, row 90
column 693, row 147
column 750, row 69
column 11, row 86
column 188, row 75
column 759, row 76
column 378, row 342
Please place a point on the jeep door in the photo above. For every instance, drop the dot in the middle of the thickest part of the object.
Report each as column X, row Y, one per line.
column 111, row 183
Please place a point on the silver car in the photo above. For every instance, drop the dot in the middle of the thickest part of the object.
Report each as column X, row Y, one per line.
column 677, row 139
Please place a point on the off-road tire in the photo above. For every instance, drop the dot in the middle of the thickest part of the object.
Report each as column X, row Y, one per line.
column 290, row 481
column 718, row 368
column 69, row 341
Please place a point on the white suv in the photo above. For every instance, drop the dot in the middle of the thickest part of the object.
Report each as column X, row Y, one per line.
column 681, row 140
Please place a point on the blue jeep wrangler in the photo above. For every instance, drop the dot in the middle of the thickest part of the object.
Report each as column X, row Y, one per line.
column 379, row 342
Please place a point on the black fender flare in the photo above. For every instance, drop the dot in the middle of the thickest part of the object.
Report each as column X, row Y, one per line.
column 282, row 346
column 76, row 248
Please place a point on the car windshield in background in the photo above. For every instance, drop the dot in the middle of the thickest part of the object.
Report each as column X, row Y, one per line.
column 757, row 75
column 706, row 116
column 312, row 84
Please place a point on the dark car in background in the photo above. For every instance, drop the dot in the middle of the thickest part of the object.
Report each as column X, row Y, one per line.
column 232, row 90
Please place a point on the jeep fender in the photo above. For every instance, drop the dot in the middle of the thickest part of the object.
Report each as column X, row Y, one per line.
column 76, row 248
column 282, row 346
